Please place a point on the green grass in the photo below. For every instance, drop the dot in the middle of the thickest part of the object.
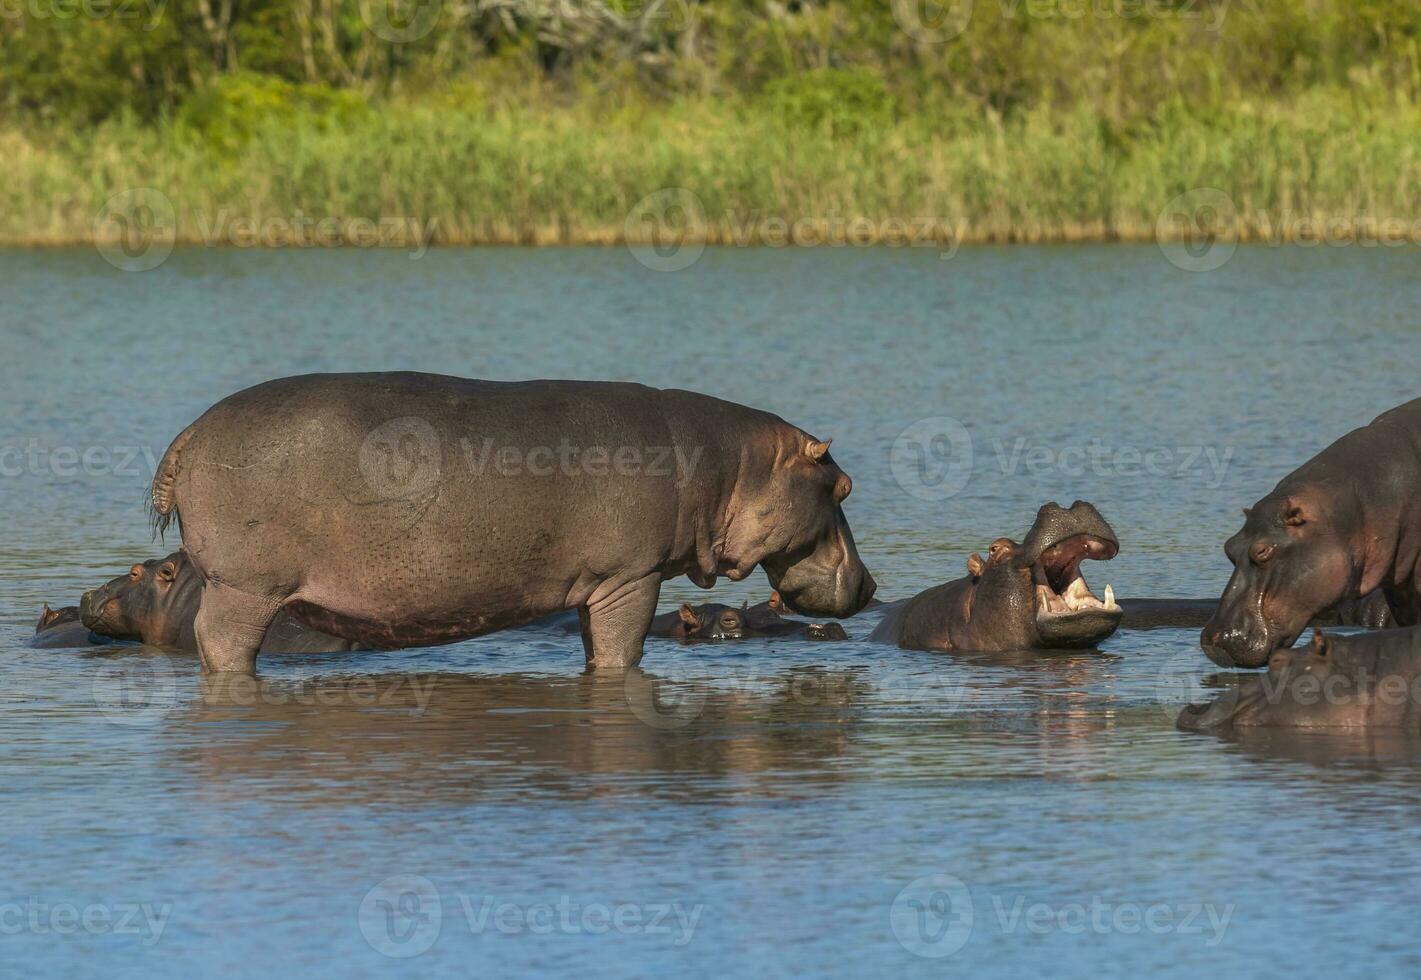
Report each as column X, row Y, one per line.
column 572, row 171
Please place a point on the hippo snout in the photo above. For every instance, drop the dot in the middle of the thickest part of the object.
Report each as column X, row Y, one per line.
column 1232, row 646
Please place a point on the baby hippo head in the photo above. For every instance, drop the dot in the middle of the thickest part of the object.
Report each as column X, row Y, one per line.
column 712, row 623
column 141, row 605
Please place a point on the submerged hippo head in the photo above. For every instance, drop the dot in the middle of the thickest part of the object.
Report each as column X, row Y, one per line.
column 797, row 530
column 1313, row 686
column 712, row 621
column 1043, row 574
column 153, row 603
column 1296, row 556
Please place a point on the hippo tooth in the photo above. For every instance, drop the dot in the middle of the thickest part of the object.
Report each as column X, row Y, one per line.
column 1109, row 598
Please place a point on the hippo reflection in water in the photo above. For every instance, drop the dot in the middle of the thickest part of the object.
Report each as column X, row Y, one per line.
column 1371, row 680
column 1022, row 596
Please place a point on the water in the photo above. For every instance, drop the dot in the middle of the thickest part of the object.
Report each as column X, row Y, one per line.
column 777, row 807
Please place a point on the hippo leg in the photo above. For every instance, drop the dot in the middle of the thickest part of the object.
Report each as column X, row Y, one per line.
column 614, row 624
column 230, row 626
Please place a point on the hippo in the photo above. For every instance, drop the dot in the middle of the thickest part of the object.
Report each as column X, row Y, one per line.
column 1371, row 611
column 62, row 628
column 713, row 621
column 1021, row 597
column 409, row 509
column 1346, row 522
column 1366, row 681
column 156, row 604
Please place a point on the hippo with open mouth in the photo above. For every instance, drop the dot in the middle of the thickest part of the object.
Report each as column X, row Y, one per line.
column 1022, row 596
column 156, row 603
column 1344, row 523
column 410, row 509
column 1372, row 680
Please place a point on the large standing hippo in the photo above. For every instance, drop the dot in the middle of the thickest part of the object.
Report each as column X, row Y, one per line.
column 156, row 603
column 1344, row 523
column 1372, row 680
column 408, row 509
column 1022, row 596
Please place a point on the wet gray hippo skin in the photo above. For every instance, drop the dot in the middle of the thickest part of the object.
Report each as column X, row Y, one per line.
column 63, row 629
column 1343, row 524
column 1021, row 597
column 156, row 604
column 412, row 509
column 1371, row 611
column 713, row 621
column 1371, row 680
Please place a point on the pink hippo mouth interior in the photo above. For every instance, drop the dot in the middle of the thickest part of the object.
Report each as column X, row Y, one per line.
column 1065, row 605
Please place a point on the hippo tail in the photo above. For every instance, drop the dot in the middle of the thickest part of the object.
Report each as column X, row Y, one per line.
column 163, row 500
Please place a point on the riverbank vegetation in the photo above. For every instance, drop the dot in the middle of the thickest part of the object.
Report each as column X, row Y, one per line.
column 592, row 120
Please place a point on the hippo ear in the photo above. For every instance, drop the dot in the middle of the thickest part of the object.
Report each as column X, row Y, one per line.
column 817, row 450
column 1321, row 644
column 1247, row 513
column 689, row 617
column 47, row 616
column 975, row 565
column 776, row 603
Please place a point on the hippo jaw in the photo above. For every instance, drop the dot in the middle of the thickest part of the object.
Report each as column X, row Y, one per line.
column 1068, row 613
